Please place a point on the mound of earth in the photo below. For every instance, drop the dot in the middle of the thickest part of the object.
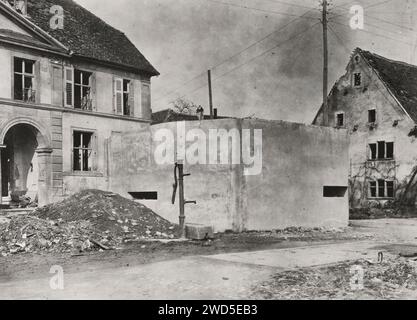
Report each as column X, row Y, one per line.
column 111, row 214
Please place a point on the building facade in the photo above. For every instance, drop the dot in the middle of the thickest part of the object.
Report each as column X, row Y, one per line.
column 65, row 89
column 376, row 101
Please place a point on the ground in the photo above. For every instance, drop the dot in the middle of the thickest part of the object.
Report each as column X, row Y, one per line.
column 296, row 264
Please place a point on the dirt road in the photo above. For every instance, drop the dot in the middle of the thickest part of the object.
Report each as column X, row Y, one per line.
column 234, row 267
column 225, row 276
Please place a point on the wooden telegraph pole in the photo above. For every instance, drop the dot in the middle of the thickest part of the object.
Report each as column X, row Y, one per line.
column 210, row 95
column 325, row 64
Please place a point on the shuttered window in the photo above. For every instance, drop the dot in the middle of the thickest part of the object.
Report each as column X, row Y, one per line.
column 78, row 89
column 118, row 95
column 123, row 97
column 69, row 87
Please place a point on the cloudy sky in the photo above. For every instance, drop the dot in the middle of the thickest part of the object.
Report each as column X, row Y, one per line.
column 256, row 71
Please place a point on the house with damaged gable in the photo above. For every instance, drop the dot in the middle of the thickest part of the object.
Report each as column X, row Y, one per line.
column 63, row 92
column 376, row 101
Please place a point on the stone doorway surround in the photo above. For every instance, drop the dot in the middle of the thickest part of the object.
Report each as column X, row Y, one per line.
column 43, row 152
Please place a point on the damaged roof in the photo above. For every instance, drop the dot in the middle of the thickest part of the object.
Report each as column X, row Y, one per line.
column 88, row 36
column 399, row 77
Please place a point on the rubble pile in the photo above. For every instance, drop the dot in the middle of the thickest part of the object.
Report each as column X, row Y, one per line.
column 110, row 213
column 89, row 220
column 389, row 279
column 34, row 235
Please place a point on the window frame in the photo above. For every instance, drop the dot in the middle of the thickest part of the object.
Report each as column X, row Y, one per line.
column 69, row 80
column 337, row 119
column 360, row 80
column 375, row 116
column 24, row 75
column 124, row 100
column 377, row 149
column 375, row 184
column 93, row 149
column 82, row 87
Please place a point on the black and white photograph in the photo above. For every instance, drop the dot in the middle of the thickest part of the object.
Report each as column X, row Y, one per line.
column 231, row 152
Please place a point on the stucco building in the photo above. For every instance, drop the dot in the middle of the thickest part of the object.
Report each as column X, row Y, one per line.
column 65, row 88
column 376, row 101
column 299, row 173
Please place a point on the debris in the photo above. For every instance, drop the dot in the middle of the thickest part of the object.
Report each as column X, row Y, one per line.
column 4, row 220
column 82, row 223
column 376, row 280
column 408, row 255
column 369, row 261
column 102, row 246
column 104, row 209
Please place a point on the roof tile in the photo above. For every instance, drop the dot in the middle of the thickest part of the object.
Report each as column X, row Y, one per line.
column 88, row 36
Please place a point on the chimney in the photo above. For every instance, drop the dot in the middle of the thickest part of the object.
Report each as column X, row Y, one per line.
column 215, row 113
column 21, row 6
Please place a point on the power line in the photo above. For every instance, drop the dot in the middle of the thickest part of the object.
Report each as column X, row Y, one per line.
column 339, row 39
column 367, row 7
column 260, row 10
column 299, row 54
column 389, row 22
column 376, row 27
column 379, row 19
column 260, row 40
column 254, row 58
column 373, row 33
column 179, row 87
column 235, row 55
column 289, row 4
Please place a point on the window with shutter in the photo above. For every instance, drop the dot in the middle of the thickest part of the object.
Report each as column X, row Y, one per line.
column 69, row 87
column 146, row 101
column 131, row 99
column 118, row 96
column 82, row 90
column 126, row 105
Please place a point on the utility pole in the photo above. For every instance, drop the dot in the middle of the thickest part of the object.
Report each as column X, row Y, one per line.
column 210, row 95
column 325, row 65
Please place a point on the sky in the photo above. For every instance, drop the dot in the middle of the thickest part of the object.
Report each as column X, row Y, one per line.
column 266, row 56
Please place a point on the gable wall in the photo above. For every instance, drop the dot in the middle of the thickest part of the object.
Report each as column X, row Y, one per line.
column 8, row 25
column 355, row 103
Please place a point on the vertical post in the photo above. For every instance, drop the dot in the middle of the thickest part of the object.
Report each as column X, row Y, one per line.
column 210, row 94
column 45, row 175
column 325, row 65
column 181, row 196
column 2, row 147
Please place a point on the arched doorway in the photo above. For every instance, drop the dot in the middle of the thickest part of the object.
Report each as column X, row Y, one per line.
column 24, row 164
